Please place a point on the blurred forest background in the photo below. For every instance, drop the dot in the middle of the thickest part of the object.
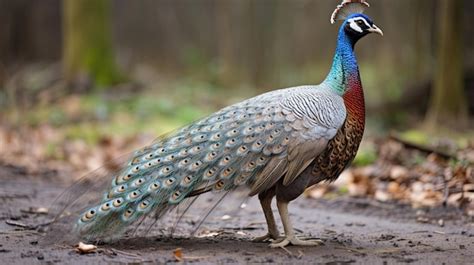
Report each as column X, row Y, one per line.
column 84, row 81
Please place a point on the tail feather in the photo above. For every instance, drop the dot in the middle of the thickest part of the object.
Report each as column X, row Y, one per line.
column 220, row 153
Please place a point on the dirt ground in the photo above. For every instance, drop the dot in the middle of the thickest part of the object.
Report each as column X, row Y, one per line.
column 354, row 231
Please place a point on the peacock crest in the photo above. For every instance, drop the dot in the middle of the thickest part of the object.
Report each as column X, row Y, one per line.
column 348, row 7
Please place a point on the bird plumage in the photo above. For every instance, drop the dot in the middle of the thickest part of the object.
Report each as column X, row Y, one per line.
column 254, row 142
column 276, row 144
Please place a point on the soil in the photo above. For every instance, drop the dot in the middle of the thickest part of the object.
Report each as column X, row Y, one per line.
column 354, row 231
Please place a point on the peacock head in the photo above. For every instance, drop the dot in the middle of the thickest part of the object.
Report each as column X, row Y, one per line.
column 356, row 25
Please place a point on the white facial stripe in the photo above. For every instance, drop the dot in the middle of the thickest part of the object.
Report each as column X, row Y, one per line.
column 354, row 26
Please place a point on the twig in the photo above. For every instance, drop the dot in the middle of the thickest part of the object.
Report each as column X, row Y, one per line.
column 27, row 226
column 287, row 251
column 19, row 224
column 423, row 148
column 20, row 232
column 300, row 254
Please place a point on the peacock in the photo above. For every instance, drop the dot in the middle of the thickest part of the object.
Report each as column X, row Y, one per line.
column 274, row 145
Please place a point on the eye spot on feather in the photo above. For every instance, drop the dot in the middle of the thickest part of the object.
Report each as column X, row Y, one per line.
column 165, row 171
column 128, row 213
column 88, row 215
column 261, row 160
column 227, row 172
column 219, row 185
column 135, row 161
column 230, row 142
column 155, row 186
column 250, row 166
column 105, row 206
column 183, row 153
column 175, row 195
column 187, row 180
column 144, row 204
column 139, row 182
column 195, row 166
column 169, row 181
column 211, row 156
column 127, row 177
column 134, row 194
column 210, row 173
column 121, row 188
column 117, row 202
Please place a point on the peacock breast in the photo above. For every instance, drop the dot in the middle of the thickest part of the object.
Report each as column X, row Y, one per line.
column 340, row 151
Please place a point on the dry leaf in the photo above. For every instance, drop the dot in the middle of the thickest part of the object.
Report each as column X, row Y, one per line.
column 86, row 248
column 178, row 254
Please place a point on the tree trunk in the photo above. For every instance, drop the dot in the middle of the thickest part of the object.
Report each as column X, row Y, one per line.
column 88, row 51
column 448, row 104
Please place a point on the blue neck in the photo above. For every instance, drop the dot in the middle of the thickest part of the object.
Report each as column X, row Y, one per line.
column 344, row 65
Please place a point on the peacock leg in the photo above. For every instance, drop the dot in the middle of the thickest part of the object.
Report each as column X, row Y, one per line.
column 266, row 202
column 290, row 237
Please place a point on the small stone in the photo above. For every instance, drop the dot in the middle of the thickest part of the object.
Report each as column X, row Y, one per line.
column 441, row 222
column 398, row 172
column 226, row 217
column 422, row 220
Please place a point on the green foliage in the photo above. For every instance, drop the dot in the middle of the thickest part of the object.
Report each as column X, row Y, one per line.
column 365, row 156
column 417, row 136
column 88, row 48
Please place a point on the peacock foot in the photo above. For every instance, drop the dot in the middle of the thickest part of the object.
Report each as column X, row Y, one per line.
column 296, row 242
column 267, row 237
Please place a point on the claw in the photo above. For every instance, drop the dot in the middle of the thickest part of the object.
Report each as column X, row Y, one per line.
column 265, row 238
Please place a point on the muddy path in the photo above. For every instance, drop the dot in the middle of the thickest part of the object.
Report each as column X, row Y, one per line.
column 354, row 231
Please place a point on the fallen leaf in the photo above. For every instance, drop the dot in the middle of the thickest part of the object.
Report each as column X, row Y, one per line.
column 178, row 254
column 86, row 248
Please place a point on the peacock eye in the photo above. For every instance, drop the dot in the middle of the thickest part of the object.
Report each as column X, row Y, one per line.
column 88, row 216
column 117, row 202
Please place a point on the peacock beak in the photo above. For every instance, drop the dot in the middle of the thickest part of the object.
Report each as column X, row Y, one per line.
column 375, row 29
